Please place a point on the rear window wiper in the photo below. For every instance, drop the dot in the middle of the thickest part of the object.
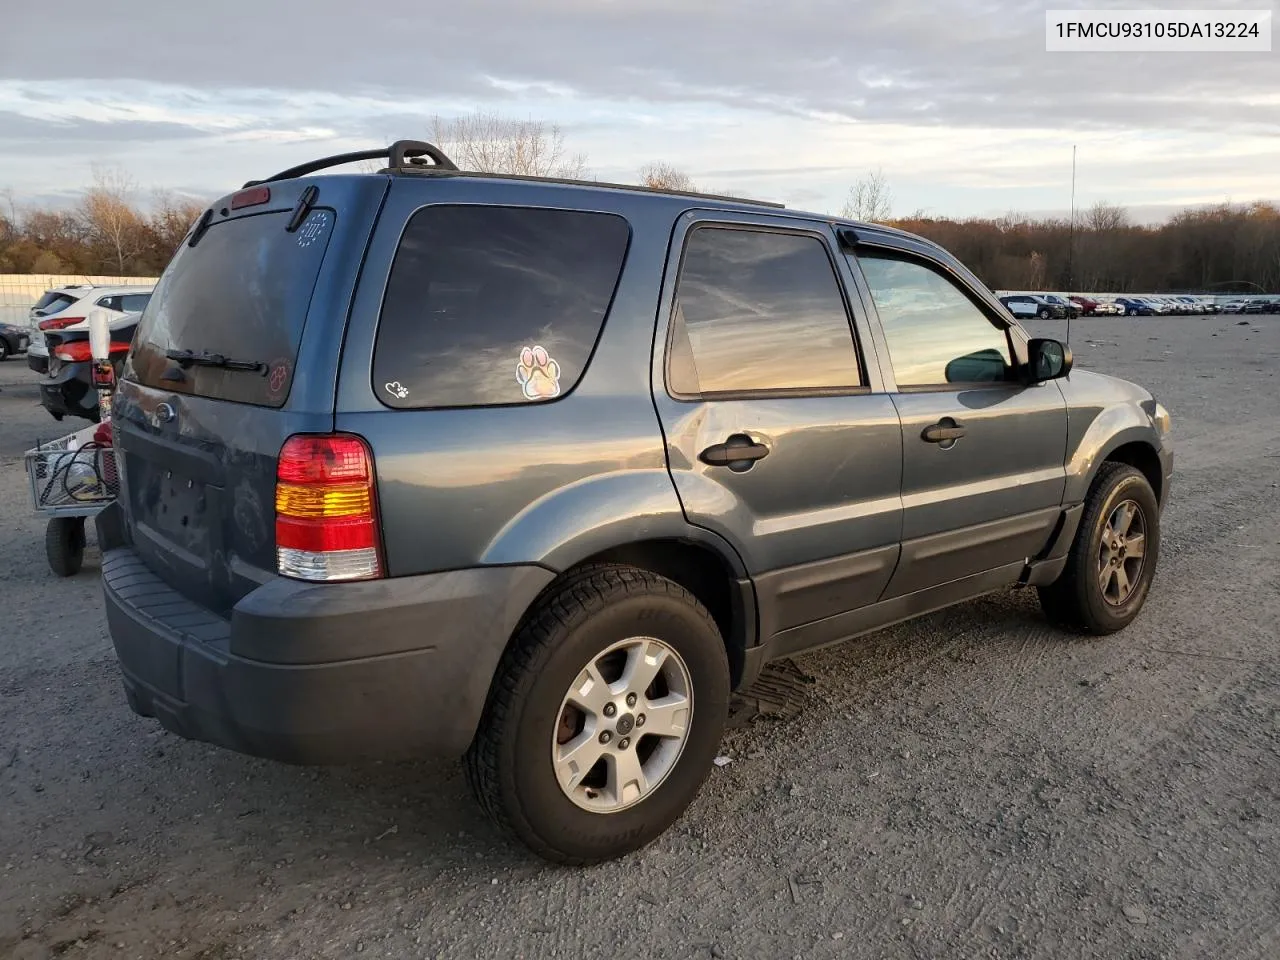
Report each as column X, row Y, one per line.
column 189, row 358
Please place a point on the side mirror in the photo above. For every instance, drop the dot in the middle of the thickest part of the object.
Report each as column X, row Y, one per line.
column 1048, row 359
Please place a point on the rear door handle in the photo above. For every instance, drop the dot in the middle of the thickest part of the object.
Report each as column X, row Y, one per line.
column 738, row 453
column 945, row 430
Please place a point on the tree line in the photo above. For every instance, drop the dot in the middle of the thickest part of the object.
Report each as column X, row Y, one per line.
column 1224, row 248
column 1219, row 249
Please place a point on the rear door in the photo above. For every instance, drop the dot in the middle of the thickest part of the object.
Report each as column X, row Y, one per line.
column 200, row 442
column 983, row 453
column 779, row 435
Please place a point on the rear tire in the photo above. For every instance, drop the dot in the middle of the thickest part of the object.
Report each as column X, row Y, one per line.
column 1044, row 313
column 516, row 766
column 64, row 545
column 4, row 351
column 1105, row 582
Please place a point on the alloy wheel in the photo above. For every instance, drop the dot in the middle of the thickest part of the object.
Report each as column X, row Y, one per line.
column 1122, row 552
column 622, row 725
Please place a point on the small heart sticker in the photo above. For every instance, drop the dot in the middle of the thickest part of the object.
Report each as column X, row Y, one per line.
column 396, row 390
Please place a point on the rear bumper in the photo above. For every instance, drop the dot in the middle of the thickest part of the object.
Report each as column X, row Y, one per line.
column 39, row 362
column 66, row 394
column 316, row 673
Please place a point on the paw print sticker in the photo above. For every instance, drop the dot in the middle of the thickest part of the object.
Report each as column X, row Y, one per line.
column 396, row 390
column 538, row 374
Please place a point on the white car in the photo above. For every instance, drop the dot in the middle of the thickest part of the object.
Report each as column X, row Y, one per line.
column 67, row 308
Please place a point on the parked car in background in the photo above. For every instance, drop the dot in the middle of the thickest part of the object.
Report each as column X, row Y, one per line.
column 1255, row 306
column 67, row 389
column 1233, row 306
column 67, row 308
column 13, row 340
column 1088, row 306
column 1069, row 308
column 1107, row 308
column 1026, row 305
column 1136, row 307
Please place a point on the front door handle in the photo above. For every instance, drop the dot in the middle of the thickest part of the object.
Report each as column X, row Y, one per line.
column 738, row 453
column 945, row 430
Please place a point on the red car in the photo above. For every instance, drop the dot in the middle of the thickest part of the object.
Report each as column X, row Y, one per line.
column 1087, row 307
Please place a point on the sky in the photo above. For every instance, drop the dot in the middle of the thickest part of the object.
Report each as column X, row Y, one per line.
column 957, row 102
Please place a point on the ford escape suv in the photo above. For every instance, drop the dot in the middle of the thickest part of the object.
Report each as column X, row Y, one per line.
column 537, row 472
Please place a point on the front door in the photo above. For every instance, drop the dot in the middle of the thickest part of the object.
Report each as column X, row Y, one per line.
column 983, row 452
column 779, row 435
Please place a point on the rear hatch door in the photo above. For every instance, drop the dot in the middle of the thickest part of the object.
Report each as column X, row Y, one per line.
column 237, row 350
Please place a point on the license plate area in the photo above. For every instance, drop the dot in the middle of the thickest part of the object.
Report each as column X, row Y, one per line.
column 182, row 510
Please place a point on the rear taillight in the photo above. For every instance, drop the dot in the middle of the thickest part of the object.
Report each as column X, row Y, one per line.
column 326, row 509
column 59, row 323
column 78, row 351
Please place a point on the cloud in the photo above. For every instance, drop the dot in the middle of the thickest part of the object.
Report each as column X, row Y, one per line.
column 791, row 100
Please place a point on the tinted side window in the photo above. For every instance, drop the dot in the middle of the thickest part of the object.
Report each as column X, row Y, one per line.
column 495, row 305
column 134, row 302
column 758, row 311
column 111, row 303
column 935, row 333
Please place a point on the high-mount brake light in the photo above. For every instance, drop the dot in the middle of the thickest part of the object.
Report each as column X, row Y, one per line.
column 251, row 198
column 327, row 509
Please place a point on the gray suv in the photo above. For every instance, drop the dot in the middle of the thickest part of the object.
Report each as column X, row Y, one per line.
column 538, row 472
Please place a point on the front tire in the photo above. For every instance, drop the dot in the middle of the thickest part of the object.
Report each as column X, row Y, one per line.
column 1113, row 559
column 603, row 718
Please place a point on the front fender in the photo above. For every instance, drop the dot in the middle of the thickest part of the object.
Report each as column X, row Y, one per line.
column 1110, row 430
column 609, row 510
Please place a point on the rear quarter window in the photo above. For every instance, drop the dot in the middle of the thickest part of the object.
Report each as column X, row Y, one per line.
column 495, row 305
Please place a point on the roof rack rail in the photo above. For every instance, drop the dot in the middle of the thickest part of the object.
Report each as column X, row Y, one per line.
column 400, row 155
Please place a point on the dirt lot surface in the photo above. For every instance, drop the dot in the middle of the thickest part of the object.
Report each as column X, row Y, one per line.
column 975, row 784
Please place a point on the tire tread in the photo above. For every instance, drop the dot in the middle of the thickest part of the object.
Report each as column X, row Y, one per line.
column 1065, row 601
column 568, row 604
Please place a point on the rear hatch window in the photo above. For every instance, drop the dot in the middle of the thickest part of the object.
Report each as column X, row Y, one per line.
column 235, row 302
column 495, row 305
column 52, row 302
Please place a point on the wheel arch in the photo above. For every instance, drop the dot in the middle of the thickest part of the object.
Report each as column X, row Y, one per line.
column 1142, row 456
column 1120, row 434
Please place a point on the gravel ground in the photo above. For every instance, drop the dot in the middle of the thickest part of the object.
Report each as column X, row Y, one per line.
column 974, row 784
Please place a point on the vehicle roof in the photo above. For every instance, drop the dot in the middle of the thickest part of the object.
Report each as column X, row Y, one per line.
column 137, row 288
column 556, row 185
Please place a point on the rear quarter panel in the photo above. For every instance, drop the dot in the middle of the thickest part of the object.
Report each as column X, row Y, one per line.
column 547, row 483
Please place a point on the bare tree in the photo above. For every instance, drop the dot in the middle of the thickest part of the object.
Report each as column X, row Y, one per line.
column 1106, row 216
column 493, row 143
column 1036, row 269
column 870, row 199
column 171, row 217
column 109, row 217
column 665, row 176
